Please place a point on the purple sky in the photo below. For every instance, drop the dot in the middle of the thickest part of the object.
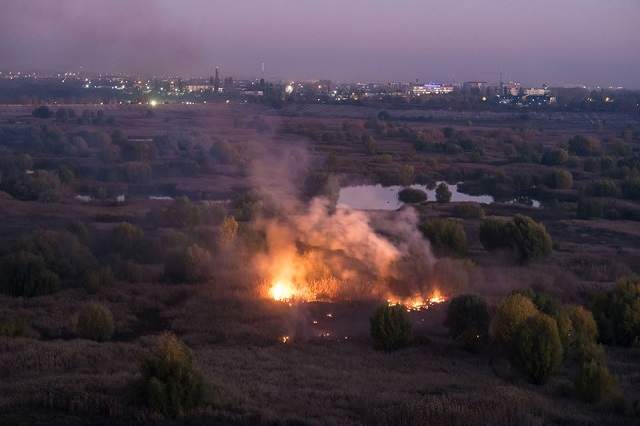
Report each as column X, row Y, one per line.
column 559, row 41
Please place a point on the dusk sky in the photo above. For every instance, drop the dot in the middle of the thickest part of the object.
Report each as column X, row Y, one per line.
column 556, row 41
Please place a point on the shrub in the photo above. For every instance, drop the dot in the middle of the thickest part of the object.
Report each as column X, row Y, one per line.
column 576, row 324
column 446, row 235
column 127, row 240
column 555, row 157
column 543, row 301
column 617, row 313
column 537, row 348
column 529, row 238
column 510, row 315
column 526, row 237
column 390, row 327
column 584, row 145
column 97, row 280
column 190, row 265
column 589, row 208
column 26, row 275
column 95, row 322
column 603, row 188
column 443, row 195
column 631, row 189
column 493, row 234
column 560, row 179
column 412, row 195
column 594, row 382
column 468, row 318
column 15, row 327
column 170, row 383
column 469, row 211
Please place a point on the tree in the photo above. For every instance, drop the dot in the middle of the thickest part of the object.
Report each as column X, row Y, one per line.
column 576, row 324
column 95, row 322
column 617, row 313
column 594, row 382
column 494, row 234
column 510, row 315
column 537, row 347
column 26, row 275
column 529, row 239
column 584, row 145
column 412, row 195
column 468, row 317
column 127, row 240
column 406, row 175
column 555, row 157
column 390, row 327
column 191, row 265
column 170, row 384
column 446, row 235
column 443, row 194
column 560, row 179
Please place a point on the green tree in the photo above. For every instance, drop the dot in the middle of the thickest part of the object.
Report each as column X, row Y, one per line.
column 390, row 327
column 446, row 235
column 537, row 348
column 576, row 324
column 443, row 194
column 617, row 313
column 127, row 240
column 95, row 322
column 170, row 384
column 26, row 275
column 594, row 382
column 191, row 265
column 510, row 315
column 529, row 239
column 468, row 318
column 494, row 234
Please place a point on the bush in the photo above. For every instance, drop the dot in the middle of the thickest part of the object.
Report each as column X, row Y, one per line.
column 589, row 208
column 584, row 145
column 631, row 189
column 617, row 313
column 127, row 240
column 576, row 324
column 446, row 235
column 95, row 322
column 555, row 157
column 560, row 179
column 97, row 280
column 390, row 327
column 537, row 348
column 170, row 383
column 543, row 301
column 526, row 237
column 190, row 265
column 493, row 234
column 443, row 195
column 594, row 382
column 15, row 327
column 603, row 188
column 510, row 315
column 469, row 211
column 412, row 195
column 468, row 318
column 26, row 275
column 529, row 238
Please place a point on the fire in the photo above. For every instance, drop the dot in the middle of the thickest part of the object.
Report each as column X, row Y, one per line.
column 281, row 291
column 419, row 302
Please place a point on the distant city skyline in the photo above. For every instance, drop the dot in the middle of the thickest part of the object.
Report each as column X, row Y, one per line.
column 560, row 42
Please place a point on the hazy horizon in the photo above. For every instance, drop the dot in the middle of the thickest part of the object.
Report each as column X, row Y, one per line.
column 567, row 42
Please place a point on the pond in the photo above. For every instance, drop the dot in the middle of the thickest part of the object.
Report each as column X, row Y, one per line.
column 378, row 197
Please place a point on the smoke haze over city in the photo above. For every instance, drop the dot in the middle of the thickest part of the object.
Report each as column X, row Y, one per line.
column 561, row 42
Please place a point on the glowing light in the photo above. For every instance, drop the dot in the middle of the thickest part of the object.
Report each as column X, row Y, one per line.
column 153, row 102
column 281, row 291
column 285, row 339
column 289, row 89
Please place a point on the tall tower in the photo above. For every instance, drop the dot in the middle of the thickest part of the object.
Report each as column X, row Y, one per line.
column 216, row 80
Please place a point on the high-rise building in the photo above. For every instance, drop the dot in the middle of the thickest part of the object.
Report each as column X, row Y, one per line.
column 216, row 81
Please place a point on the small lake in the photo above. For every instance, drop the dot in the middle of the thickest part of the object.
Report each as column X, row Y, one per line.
column 378, row 197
